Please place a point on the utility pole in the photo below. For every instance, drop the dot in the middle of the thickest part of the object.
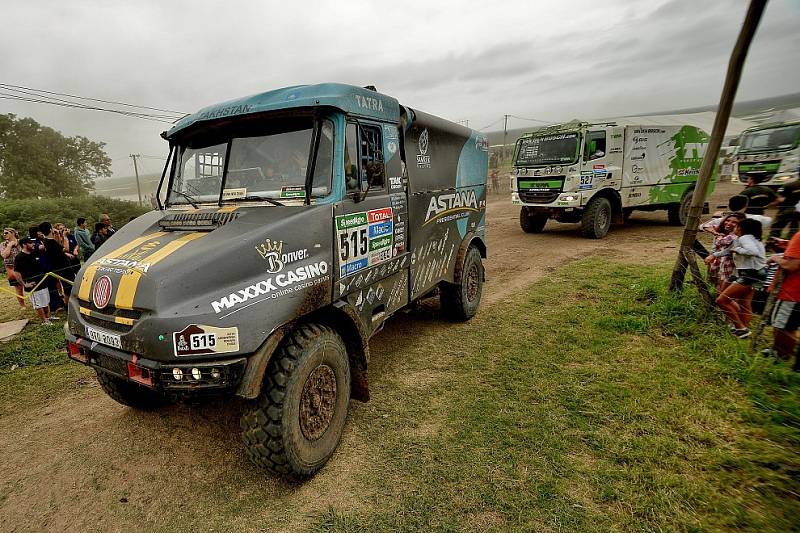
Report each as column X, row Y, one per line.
column 734, row 74
column 505, row 135
column 136, row 170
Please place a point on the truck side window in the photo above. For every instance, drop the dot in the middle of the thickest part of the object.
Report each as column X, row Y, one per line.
column 351, row 159
column 595, row 145
column 372, row 167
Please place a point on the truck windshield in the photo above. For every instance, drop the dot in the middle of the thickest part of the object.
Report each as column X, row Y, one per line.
column 781, row 138
column 270, row 164
column 548, row 149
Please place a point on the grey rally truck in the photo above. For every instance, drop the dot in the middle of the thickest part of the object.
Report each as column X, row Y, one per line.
column 293, row 224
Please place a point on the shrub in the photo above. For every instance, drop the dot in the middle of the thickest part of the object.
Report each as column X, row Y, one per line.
column 21, row 214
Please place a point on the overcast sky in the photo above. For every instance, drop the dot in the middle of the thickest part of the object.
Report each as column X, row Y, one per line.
column 462, row 60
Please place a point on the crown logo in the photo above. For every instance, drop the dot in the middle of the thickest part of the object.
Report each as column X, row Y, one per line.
column 269, row 247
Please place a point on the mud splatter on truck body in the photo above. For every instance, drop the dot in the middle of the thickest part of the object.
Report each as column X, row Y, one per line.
column 310, row 212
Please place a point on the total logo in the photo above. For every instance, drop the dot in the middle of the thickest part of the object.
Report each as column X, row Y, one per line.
column 101, row 294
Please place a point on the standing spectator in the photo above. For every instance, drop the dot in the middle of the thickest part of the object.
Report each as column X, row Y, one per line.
column 29, row 274
column 720, row 262
column 750, row 258
column 57, row 263
column 70, row 245
column 788, row 196
column 9, row 250
column 495, row 176
column 759, row 197
column 100, row 235
column 785, row 317
column 38, row 248
column 84, row 239
column 106, row 221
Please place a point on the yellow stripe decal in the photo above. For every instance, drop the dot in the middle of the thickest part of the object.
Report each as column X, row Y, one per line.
column 117, row 319
column 91, row 270
column 126, row 290
column 228, row 209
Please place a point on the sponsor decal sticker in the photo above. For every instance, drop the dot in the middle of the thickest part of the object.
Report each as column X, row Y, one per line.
column 364, row 239
column 295, row 191
column 276, row 286
column 101, row 294
column 423, row 159
column 201, row 340
column 599, row 169
column 232, row 194
column 451, row 206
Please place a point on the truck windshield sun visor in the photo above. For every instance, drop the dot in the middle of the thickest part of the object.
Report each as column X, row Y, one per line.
column 280, row 160
column 559, row 148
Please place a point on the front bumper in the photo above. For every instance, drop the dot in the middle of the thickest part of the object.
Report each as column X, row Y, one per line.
column 181, row 379
column 563, row 200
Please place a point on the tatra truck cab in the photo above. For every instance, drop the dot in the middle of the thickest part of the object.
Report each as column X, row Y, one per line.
column 295, row 223
column 769, row 153
column 595, row 173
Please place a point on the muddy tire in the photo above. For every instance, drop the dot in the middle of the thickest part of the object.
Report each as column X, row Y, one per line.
column 295, row 424
column 596, row 219
column 678, row 213
column 460, row 300
column 130, row 394
column 532, row 223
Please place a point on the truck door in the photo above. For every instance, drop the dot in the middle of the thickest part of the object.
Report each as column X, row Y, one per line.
column 370, row 223
column 602, row 158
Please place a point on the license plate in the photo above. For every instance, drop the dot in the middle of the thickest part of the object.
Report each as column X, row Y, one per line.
column 103, row 337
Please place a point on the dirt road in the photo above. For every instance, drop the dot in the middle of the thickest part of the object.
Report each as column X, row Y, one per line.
column 83, row 462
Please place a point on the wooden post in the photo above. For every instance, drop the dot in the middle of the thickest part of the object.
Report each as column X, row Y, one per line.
column 735, row 66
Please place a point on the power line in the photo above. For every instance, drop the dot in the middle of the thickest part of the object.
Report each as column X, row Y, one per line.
column 492, row 124
column 9, row 96
column 10, row 86
column 532, row 119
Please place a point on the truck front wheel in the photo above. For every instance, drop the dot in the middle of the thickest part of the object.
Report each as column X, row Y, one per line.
column 532, row 223
column 128, row 393
column 460, row 299
column 596, row 219
column 295, row 424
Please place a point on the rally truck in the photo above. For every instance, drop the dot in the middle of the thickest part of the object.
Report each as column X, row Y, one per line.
column 593, row 174
column 294, row 224
column 769, row 153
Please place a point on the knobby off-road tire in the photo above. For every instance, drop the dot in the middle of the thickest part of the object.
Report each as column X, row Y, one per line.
column 678, row 213
column 295, row 424
column 532, row 223
column 130, row 394
column 596, row 219
column 460, row 300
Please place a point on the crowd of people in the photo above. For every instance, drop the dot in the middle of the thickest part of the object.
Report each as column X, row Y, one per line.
column 745, row 275
column 49, row 249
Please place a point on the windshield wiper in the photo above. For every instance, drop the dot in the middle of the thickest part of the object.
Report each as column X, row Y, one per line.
column 264, row 198
column 189, row 198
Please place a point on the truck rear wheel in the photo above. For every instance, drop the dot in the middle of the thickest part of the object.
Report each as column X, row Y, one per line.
column 678, row 213
column 460, row 300
column 295, row 424
column 128, row 393
column 532, row 223
column 596, row 219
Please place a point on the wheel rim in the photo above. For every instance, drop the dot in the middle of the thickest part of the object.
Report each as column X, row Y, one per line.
column 318, row 402
column 473, row 282
column 602, row 219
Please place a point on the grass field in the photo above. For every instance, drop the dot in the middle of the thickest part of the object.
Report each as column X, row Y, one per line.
column 593, row 401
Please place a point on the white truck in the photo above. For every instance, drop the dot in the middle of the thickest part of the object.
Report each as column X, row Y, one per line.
column 770, row 153
column 594, row 174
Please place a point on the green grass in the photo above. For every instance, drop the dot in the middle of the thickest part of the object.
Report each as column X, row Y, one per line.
column 596, row 401
column 593, row 401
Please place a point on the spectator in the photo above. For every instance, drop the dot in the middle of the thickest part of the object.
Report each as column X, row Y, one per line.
column 720, row 262
column 9, row 250
column 740, row 204
column 788, row 198
column 759, row 197
column 84, row 239
column 70, row 245
column 57, row 263
column 106, row 221
column 785, row 318
column 38, row 248
column 29, row 274
column 750, row 258
column 100, row 235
